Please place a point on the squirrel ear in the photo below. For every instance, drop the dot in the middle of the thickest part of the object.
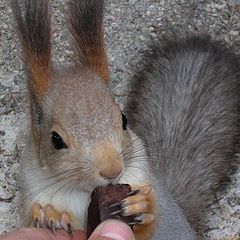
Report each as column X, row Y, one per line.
column 86, row 26
column 35, row 34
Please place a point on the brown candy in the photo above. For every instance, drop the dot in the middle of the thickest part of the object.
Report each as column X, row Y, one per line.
column 105, row 204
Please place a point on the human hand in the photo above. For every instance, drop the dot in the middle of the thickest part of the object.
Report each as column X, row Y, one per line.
column 108, row 230
column 112, row 230
column 42, row 234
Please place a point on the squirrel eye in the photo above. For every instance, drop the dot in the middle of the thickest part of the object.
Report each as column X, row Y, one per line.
column 124, row 121
column 57, row 141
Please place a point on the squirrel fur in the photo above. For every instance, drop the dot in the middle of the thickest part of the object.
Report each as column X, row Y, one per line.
column 178, row 146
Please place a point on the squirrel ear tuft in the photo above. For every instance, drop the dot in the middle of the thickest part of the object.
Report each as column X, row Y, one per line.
column 86, row 26
column 34, row 31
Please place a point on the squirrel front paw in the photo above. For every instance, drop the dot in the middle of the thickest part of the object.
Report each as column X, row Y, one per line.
column 49, row 217
column 139, row 205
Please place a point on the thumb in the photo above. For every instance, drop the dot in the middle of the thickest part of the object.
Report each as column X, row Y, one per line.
column 112, row 230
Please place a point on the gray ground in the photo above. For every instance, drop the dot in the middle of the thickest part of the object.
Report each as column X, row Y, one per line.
column 129, row 25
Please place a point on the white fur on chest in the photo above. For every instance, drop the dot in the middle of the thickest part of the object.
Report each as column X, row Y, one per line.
column 72, row 201
column 43, row 189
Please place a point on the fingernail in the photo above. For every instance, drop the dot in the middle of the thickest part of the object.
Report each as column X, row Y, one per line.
column 116, row 230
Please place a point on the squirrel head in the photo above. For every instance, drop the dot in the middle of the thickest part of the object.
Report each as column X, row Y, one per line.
column 81, row 129
column 79, row 134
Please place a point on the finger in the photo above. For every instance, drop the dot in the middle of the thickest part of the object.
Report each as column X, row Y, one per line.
column 112, row 229
column 42, row 234
column 75, row 235
column 28, row 234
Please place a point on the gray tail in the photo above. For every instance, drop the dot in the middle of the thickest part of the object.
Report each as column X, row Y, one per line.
column 185, row 105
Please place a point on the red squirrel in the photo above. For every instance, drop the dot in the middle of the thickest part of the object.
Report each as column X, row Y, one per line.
column 174, row 143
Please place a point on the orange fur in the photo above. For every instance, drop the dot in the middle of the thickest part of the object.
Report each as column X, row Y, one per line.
column 37, row 212
column 146, row 231
column 97, row 57
column 35, row 36
column 86, row 26
column 48, row 213
column 40, row 75
column 99, row 65
column 52, row 214
column 36, row 44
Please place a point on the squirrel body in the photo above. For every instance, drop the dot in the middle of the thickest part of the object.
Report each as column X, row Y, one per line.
column 175, row 150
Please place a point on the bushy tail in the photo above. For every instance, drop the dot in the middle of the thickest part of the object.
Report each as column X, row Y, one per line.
column 185, row 105
column 86, row 25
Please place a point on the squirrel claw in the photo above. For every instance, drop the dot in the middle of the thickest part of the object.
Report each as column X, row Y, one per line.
column 118, row 204
column 36, row 223
column 69, row 230
column 65, row 222
column 145, row 218
column 52, row 218
column 138, row 204
column 132, row 193
column 49, row 217
column 116, row 212
column 52, row 226
column 142, row 219
column 38, row 215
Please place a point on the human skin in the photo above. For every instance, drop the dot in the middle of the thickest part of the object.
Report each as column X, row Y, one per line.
column 108, row 230
column 41, row 234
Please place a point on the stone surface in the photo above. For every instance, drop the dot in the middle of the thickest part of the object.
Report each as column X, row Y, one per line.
column 129, row 27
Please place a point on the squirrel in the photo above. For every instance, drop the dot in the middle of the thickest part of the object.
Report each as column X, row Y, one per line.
column 174, row 143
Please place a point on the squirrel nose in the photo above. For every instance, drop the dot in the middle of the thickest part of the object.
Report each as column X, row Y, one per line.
column 109, row 162
column 110, row 174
